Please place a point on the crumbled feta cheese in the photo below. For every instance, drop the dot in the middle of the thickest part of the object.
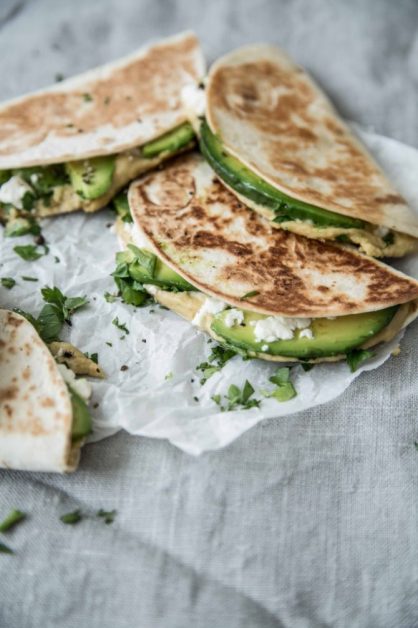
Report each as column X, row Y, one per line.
column 381, row 231
column 278, row 327
column 233, row 317
column 209, row 306
column 193, row 98
column 306, row 333
column 264, row 347
column 13, row 191
column 34, row 178
column 80, row 386
column 137, row 236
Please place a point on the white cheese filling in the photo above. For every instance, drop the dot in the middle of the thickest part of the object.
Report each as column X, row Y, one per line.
column 382, row 232
column 193, row 98
column 233, row 317
column 279, row 328
column 80, row 386
column 13, row 191
column 209, row 306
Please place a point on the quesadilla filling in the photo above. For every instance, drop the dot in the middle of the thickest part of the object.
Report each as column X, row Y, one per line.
column 294, row 215
column 27, row 193
column 140, row 273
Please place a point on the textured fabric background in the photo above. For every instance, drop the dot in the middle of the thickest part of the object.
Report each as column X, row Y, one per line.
column 309, row 521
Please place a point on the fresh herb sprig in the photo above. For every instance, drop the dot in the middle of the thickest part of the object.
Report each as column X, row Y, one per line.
column 215, row 362
column 237, row 398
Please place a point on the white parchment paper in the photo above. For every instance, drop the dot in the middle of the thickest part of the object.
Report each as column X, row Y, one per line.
column 159, row 394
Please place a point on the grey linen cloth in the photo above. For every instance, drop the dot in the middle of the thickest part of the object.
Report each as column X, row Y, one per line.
column 309, row 521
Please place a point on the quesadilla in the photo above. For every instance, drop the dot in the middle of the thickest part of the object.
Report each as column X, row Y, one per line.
column 76, row 144
column 278, row 144
column 44, row 414
column 264, row 292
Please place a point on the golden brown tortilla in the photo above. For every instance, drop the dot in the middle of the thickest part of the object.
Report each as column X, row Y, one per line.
column 104, row 111
column 275, row 119
column 204, row 233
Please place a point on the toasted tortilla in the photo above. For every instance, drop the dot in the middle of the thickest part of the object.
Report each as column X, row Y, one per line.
column 104, row 111
column 198, row 228
column 271, row 116
column 35, row 406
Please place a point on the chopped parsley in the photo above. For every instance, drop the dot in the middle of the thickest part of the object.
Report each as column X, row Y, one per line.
column 248, row 295
column 416, row 445
column 8, row 282
column 14, row 517
column 119, row 325
column 27, row 278
column 237, row 398
column 71, row 518
column 87, row 97
column 108, row 516
column 31, row 252
column 65, row 306
column 216, row 360
column 169, row 376
column 22, row 226
column 284, row 388
column 356, row 357
column 307, row 367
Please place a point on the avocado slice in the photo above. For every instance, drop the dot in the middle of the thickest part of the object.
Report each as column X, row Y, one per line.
column 170, row 142
column 82, row 421
column 149, row 269
column 253, row 187
column 330, row 336
column 91, row 178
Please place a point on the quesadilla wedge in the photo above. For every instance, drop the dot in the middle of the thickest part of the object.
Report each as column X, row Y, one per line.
column 44, row 415
column 277, row 143
column 76, row 144
column 264, row 292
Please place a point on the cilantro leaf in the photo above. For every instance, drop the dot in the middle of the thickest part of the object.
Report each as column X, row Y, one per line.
column 281, row 376
column 145, row 259
column 65, row 306
column 248, row 295
column 50, row 323
column 4, row 549
column 216, row 360
column 236, row 398
column 71, row 518
column 356, row 357
column 284, row 388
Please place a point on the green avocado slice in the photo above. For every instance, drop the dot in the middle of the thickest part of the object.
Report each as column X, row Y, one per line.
column 82, row 421
column 170, row 142
column 330, row 336
column 92, row 177
column 250, row 185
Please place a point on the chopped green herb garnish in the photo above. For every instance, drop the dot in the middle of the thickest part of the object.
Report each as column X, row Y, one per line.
column 236, row 398
column 108, row 516
column 66, row 306
column 94, row 357
column 121, row 206
column 110, row 298
column 146, row 259
column 169, row 376
column 56, row 259
column 59, row 77
column 248, row 295
column 416, row 445
column 27, row 278
column 119, row 325
column 307, row 367
column 284, row 388
column 356, row 357
column 30, row 252
column 389, row 238
column 21, row 226
column 8, row 282
column 216, row 360
column 71, row 518
column 87, row 97
column 5, row 550
column 14, row 517
column 109, row 344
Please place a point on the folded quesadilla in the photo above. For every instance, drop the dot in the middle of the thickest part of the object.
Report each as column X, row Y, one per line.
column 44, row 415
column 277, row 143
column 76, row 144
column 264, row 292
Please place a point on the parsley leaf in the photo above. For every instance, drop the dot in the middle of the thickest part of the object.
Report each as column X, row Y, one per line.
column 65, row 306
column 26, row 278
column 110, row 298
column 121, row 326
column 146, row 259
column 94, row 357
column 356, row 357
column 8, row 282
column 30, row 252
